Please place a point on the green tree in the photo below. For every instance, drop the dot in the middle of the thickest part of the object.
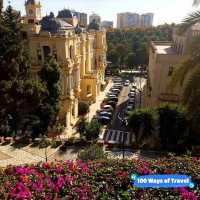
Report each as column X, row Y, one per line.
column 142, row 122
column 83, row 108
column 93, row 130
column 187, row 75
column 173, row 127
column 17, row 89
column 121, row 50
column 191, row 19
column 48, row 111
column 131, row 60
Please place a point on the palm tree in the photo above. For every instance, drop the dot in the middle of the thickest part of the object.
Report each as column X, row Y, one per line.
column 196, row 2
column 192, row 18
column 187, row 75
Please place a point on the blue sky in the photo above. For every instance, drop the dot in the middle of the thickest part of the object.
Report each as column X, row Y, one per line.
column 165, row 10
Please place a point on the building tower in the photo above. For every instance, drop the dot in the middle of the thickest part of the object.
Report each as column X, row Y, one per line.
column 33, row 12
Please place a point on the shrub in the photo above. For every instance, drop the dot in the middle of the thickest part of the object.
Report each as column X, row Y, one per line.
column 142, row 121
column 83, row 108
column 93, row 152
column 93, row 130
column 44, row 142
column 173, row 129
column 56, row 143
column 105, row 179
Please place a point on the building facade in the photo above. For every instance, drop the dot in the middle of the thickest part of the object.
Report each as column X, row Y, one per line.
column 82, row 18
column 80, row 53
column 146, row 20
column 96, row 18
column 107, row 24
column 163, row 58
column 134, row 20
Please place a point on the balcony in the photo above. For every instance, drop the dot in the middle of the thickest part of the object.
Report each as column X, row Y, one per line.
column 169, row 97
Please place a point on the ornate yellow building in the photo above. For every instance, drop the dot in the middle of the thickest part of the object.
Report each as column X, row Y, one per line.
column 80, row 53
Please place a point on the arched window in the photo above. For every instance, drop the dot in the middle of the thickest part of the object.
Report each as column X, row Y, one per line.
column 31, row 21
column 71, row 52
column 46, row 51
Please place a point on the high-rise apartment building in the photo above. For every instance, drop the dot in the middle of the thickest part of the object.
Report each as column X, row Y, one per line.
column 147, row 19
column 95, row 17
column 128, row 20
column 82, row 18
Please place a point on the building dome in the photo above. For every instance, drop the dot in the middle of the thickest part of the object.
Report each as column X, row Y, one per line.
column 54, row 25
column 65, row 13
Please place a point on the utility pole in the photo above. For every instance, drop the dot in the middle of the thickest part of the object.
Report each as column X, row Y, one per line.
column 123, row 146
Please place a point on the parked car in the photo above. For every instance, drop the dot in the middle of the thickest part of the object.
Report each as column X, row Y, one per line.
column 117, row 79
column 131, row 105
column 106, row 114
column 131, row 101
column 115, row 90
column 115, row 99
column 112, row 96
column 118, row 86
column 133, row 90
column 112, row 103
column 132, row 94
column 104, row 120
column 108, row 108
column 127, row 82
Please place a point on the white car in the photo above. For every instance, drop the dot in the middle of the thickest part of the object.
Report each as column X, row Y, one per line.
column 127, row 82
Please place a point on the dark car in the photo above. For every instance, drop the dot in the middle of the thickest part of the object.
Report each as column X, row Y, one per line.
column 106, row 114
column 132, row 94
column 112, row 103
column 104, row 120
column 108, row 108
column 112, row 99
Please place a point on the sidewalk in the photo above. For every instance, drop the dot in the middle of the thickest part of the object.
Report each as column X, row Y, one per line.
column 96, row 106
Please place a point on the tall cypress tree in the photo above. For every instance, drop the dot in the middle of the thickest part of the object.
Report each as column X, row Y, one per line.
column 50, row 76
column 20, row 95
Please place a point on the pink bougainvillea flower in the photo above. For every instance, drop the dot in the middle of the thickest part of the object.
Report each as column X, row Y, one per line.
column 23, row 170
column 59, row 169
column 51, row 184
column 187, row 195
column 79, row 162
column 45, row 165
column 144, row 170
column 20, row 192
column 69, row 179
column 70, row 164
column 39, row 185
column 121, row 174
column 85, row 168
column 60, row 181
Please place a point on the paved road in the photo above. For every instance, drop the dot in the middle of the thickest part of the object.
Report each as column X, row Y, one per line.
column 121, row 105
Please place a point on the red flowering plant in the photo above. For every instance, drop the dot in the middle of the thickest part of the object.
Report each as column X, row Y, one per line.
column 103, row 179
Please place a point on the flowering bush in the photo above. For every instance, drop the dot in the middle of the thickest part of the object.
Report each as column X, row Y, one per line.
column 105, row 179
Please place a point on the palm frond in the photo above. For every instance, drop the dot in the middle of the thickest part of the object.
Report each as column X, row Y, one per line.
column 181, row 71
column 192, row 87
column 196, row 2
column 189, row 21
